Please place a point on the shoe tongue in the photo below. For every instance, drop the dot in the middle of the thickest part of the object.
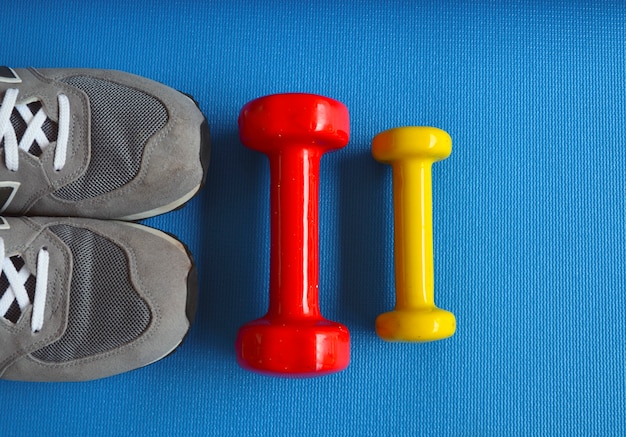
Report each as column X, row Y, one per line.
column 49, row 128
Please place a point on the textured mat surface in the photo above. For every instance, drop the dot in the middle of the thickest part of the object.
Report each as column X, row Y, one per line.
column 528, row 214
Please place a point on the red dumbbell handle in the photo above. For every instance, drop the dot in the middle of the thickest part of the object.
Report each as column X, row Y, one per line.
column 294, row 267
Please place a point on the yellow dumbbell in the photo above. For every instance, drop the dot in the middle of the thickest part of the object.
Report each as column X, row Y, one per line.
column 411, row 152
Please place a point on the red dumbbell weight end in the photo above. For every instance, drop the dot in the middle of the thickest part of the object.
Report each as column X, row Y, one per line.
column 293, row 339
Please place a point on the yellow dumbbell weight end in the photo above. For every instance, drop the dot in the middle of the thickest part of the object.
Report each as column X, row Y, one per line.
column 411, row 152
column 419, row 142
column 416, row 325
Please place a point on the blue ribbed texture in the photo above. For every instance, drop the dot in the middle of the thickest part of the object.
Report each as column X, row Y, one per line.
column 528, row 214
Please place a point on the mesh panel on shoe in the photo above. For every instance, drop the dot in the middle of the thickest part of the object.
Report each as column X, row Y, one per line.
column 105, row 311
column 122, row 120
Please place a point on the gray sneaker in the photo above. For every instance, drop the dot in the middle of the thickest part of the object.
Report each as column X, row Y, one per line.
column 97, row 143
column 82, row 299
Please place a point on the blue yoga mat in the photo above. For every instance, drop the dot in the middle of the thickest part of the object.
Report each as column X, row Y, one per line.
column 528, row 214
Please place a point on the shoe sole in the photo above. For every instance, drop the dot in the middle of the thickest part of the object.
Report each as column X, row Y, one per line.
column 177, row 204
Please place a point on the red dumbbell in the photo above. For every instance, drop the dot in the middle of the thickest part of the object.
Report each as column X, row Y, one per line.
column 293, row 339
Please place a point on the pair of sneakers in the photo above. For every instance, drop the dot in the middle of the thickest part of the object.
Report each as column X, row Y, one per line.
column 85, row 292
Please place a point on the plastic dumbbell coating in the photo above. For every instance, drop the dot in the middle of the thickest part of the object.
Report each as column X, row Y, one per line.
column 411, row 152
column 293, row 339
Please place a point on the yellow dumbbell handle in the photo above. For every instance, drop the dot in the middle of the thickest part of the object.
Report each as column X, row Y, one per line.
column 413, row 234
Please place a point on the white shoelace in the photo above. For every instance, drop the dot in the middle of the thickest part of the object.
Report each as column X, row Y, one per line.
column 17, row 290
column 33, row 130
